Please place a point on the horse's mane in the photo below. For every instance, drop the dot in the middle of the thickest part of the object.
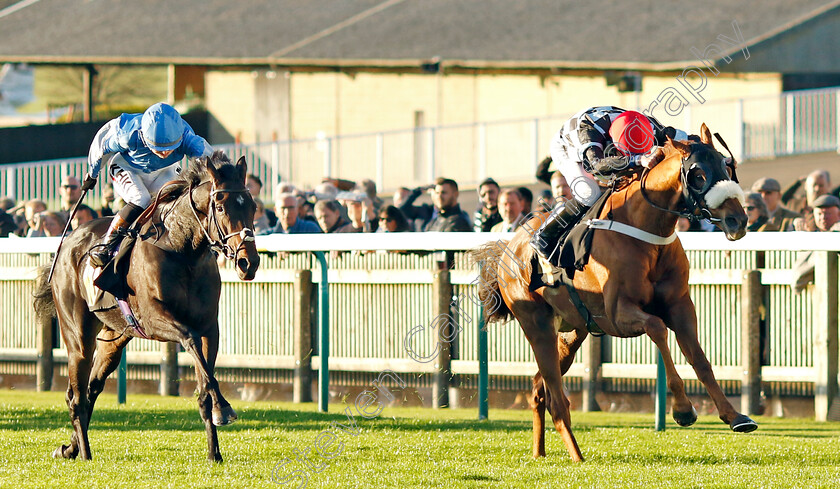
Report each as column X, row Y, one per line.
column 193, row 176
column 196, row 174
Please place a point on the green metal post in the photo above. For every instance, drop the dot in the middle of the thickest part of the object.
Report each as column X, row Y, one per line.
column 483, row 370
column 122, row 372
column 323, row 335
column 661, row 394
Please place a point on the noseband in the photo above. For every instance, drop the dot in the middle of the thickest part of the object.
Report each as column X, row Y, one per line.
column 220, row 245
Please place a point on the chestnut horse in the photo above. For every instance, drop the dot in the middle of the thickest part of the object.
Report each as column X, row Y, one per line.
column 174, row 288
column 630, row 286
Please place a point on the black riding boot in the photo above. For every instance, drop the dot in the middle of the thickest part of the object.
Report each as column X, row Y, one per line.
column 546, row 240
column 101, row 254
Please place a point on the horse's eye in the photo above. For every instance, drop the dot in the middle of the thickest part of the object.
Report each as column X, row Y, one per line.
column 220, row 208
column 697, row 179
column 219, row 197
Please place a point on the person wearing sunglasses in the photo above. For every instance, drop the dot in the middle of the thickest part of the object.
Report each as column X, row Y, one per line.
column 70, row 192
column 756, row 212
column 142, row 153
column 392, row 220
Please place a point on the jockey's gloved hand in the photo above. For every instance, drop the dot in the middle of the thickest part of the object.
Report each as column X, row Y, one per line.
column 89, row 182
column 599, row 164
column 666, row 131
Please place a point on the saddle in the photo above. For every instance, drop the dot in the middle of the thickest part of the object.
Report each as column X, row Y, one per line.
column 574, row 255
column 575, row 247
column 108, row 288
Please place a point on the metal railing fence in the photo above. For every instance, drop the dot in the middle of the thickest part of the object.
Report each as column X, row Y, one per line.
column 377, row 298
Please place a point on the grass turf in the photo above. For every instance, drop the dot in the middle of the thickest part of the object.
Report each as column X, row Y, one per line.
column 160, row 442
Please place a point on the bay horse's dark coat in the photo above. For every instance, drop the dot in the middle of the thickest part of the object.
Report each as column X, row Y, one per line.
column 174, row 294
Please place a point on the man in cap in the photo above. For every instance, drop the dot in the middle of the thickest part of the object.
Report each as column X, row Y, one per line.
column 827, row 213
column 779, row 218
column 827, row 218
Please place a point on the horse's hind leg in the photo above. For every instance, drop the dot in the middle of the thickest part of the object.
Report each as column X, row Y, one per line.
column 537, row 404
column 80, row 347
column 567, row 346
column 683, row 321
column 544, row 342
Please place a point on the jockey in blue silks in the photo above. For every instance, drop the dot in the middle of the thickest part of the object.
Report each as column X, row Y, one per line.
column 142, row 152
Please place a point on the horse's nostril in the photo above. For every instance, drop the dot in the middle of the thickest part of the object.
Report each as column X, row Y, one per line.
column 732, row 222
column 242, row 264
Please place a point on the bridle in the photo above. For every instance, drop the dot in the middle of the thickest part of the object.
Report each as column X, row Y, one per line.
column 219, row 245
column 693, row 195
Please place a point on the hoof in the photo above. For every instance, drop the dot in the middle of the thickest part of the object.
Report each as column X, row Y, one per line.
column 685, row 419
column 223, row 416
column 743, row 424
column 61, row 452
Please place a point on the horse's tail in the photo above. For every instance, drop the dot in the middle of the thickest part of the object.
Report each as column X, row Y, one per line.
column 44, row 304
column 489, row 292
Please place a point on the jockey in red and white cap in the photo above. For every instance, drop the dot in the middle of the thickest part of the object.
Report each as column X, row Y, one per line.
column 595, row 141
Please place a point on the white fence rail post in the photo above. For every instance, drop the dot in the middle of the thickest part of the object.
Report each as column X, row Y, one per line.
column 837, row 118
column 328, row 157
column 825, row 332
column 790, row 105
column 740, row 139
column 11, row 183
column 431, row 155
column 380, row 161
column 482, row 152
column 535, row 146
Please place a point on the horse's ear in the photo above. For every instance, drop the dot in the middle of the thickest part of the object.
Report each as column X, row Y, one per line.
column 210, row 164
column 706, row 135
column 242, row 168
column 683, row 148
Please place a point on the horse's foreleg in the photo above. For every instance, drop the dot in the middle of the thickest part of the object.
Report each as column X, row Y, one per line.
column 683, row 321
column 631, row 316
column 211, row 410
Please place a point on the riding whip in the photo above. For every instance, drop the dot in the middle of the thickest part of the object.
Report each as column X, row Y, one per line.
column 64, row 234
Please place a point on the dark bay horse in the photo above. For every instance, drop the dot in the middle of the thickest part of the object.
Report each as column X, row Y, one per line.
column 174, row 291
column 631, row 287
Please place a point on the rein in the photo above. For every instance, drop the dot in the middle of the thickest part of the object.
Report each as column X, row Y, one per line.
column 692, row 204
column 219, row 245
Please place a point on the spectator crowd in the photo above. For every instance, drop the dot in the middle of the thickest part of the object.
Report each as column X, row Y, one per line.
column 343, row 206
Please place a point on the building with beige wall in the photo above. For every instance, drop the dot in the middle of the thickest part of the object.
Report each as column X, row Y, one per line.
column 428, row 81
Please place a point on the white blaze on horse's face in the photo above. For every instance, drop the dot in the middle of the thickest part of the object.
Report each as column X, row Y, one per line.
column 723, row 190
column 240, row 200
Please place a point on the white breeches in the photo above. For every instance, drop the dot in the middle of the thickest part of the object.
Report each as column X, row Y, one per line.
column 136, row 187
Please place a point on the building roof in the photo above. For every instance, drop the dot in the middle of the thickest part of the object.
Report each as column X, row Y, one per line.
column 598, row 34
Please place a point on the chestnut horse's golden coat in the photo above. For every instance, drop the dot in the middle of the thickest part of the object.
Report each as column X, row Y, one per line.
column 631, row 288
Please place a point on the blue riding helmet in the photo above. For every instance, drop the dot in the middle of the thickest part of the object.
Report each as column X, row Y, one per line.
column 162, row 127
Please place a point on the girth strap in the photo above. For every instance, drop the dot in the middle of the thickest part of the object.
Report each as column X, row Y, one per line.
column 631, row 231
column 591, row 325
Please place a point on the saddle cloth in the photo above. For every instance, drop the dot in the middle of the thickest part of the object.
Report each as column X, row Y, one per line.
column 96, row 298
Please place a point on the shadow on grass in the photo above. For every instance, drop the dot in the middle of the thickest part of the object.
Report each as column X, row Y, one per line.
column 676, row 459
column 120, row 419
